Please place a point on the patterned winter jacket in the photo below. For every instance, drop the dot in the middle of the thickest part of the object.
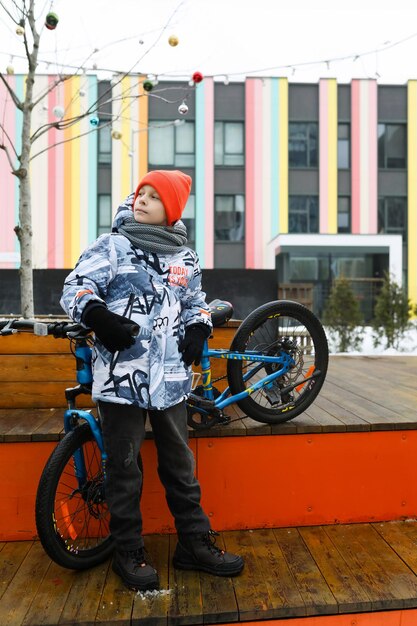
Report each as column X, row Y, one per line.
column 160, row 292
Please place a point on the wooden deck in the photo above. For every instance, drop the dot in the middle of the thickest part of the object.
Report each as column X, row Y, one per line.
column 360, row 394
column 291, row 572
column 294, row 572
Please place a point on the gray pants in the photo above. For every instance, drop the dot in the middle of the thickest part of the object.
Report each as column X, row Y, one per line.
column 123, row 432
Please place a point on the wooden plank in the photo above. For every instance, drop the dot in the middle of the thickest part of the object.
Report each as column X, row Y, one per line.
column 340, row 578
column 31, row 420
column 36, row 395
column 282, row 588
column 151, row 608
column 314, row 589
column 50, row 599
column 84, row 596
column 252, row 595
column 9, row 418
column 385, row 579
column 11, row 557
column 52, row 428
column 360, row 406
column 23, row 587
column 217, row 592
column 301, row 424
column 28, row 343
column 329, row 423
column 402, row 537
column 334, row 407
column 116, row 602
column 186, row 606
column 35, row 367
column 400, row 402
column 253, row 427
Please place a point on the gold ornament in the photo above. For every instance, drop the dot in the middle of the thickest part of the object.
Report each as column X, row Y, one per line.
column 10, row 69
column 20, row 30
column 173, row 41
column 116, row 134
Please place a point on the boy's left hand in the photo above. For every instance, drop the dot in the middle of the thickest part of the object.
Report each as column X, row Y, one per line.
column 192, row 344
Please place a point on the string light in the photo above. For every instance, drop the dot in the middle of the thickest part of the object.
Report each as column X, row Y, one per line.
column 292, row 67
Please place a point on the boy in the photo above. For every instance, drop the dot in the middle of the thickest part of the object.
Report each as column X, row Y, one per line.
column 143, row 272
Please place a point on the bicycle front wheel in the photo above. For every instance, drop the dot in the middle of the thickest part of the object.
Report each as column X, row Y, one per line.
column 73, row 523
column 279, row 328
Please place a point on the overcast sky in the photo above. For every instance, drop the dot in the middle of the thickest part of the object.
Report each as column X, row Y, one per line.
column 236, row 38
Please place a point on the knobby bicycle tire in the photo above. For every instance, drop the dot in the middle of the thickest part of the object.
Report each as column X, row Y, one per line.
column 64, row 517
column 274, row 327
column 73, row 527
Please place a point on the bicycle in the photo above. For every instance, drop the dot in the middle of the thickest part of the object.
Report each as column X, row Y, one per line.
column 276, row 366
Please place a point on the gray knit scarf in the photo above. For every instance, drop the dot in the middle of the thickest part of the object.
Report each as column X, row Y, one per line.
column 159, row 239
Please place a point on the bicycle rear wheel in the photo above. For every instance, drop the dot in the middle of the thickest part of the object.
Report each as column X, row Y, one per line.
column 73, row 524
column 273, row 329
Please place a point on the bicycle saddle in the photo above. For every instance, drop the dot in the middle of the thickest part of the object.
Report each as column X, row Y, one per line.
column 221, row 311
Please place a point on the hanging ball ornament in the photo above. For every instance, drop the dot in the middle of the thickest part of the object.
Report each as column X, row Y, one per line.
column 197, row 77
column 10, row 70
column 94, row 121
column 116, row 134
column 183, row 108
column 148, row 85
column 58, row 111
column 173, row 41
column 51, row 21
column 20, row 30
column 81, row 93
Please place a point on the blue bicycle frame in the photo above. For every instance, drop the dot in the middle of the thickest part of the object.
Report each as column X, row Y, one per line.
column 72, row 415
column 225, row 398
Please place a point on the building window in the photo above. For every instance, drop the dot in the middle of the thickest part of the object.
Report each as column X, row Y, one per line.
column 188, row 217
column 104, row 144
column 392, row 146
column 229, row 143
column 171, row 144
column 343, row 215
column 343, row 146
column 392, row 216
column 303, row 144
column 229, row 219
column 303, row 214
column 104, row 217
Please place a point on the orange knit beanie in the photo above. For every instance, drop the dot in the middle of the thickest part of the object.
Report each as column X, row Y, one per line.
column 173, row 188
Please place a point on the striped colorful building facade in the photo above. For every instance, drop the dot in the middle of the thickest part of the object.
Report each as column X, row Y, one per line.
column 65, row 166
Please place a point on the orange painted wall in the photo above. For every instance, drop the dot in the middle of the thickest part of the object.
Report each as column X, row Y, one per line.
column 253, row 482
column 405, row 617
column 295, row 480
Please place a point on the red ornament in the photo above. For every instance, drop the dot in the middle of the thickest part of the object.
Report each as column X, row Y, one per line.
column 197, row 77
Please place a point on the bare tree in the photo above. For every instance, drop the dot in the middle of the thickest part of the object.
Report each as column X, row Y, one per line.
column 22, row 14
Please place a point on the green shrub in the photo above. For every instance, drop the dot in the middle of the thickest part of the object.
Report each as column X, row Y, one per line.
column 392, row 314
column 342, row 316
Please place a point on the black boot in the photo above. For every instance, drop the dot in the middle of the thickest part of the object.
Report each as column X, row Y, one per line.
column 135, row 570
column 198, row 551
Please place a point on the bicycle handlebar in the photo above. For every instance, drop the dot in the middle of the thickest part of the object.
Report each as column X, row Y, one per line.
column 59, row 330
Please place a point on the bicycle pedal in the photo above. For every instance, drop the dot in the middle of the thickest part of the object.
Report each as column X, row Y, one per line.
column 273, row 395
column 223, row 419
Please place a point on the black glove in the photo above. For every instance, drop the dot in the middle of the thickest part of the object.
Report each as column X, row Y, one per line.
column 114, row 331
column 193, row 343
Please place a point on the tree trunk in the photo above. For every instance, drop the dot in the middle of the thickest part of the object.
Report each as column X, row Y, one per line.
column 24, row 228
column 24, row 234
